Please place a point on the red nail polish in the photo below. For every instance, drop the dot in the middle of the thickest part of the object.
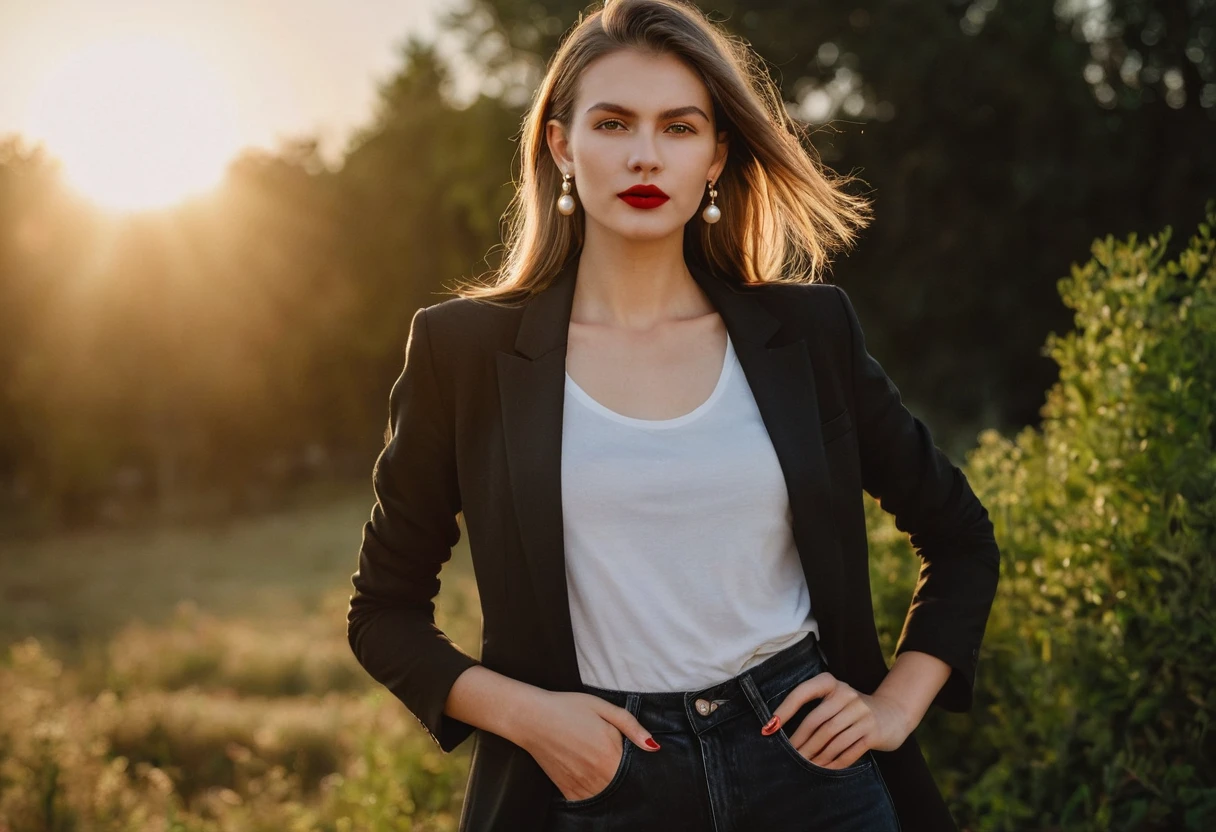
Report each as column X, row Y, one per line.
column 771, row 726
column 650, row 743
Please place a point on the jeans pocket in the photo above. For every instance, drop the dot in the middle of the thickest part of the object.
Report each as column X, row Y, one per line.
column 862, row 764
column 622, row 768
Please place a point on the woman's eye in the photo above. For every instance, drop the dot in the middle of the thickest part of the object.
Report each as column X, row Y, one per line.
column 685, row 127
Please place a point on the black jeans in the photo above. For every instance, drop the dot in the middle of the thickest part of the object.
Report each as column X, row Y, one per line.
column 716, row 772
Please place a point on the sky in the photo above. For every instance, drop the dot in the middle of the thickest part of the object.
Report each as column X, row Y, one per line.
column 286, row 67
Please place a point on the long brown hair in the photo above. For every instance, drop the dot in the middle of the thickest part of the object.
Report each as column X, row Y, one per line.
column 782, row 212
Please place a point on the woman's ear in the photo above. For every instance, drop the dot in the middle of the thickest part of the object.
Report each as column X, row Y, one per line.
column 559, row 145
column 720, row 154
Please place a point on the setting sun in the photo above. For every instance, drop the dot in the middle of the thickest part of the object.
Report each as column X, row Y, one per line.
column 138, row 122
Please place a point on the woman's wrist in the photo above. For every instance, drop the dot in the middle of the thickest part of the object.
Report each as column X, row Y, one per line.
column 496, row 703
column 911, row 683
column 523, row 709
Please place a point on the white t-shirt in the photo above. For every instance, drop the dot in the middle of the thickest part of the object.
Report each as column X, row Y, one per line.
column 680, row 557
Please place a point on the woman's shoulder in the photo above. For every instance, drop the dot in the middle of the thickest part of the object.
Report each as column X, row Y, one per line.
column 461, row 312
column 819, row 291
column 810, row 308
column 463, row 327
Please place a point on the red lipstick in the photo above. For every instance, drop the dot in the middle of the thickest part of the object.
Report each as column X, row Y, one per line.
column 644, row 196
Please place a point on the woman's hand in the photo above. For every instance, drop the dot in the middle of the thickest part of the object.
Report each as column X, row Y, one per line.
column 841, row 728
column 578, row 739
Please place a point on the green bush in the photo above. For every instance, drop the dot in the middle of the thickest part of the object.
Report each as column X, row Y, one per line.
column 1097, row 685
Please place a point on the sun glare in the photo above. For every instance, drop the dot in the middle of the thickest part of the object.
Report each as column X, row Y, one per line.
column 138, row 122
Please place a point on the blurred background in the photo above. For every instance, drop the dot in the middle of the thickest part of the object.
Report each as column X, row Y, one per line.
column 216, row 222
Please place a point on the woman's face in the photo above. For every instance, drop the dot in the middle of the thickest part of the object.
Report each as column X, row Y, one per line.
column 639, row 120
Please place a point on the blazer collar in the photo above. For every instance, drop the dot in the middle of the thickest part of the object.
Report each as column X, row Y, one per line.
column 531, row 384
column 546, row 317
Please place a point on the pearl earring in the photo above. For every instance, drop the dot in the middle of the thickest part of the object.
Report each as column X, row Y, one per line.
column 712, row 213
column 565, row 202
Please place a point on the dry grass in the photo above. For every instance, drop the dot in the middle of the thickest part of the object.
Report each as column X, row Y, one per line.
column 191, row 679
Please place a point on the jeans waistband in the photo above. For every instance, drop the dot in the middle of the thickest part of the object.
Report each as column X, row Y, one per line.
column 666, row 711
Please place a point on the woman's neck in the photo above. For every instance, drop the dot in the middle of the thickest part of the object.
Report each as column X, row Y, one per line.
column 635, row 286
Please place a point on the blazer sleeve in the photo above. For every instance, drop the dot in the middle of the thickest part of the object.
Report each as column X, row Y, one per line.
column 948, row 527
column 391, row 617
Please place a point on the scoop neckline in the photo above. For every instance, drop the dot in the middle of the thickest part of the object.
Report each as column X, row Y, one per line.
column 724, row 374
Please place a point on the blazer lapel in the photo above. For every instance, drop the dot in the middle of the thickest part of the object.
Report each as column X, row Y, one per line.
column 532, row 389
column 532, row 392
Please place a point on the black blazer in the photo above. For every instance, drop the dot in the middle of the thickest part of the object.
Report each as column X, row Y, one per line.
column 476, row 425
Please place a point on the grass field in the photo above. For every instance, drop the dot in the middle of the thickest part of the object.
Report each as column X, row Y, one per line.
column 200, row 679
column 75, row 587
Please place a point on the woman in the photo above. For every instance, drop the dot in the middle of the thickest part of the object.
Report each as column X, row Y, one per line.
column 658, row 424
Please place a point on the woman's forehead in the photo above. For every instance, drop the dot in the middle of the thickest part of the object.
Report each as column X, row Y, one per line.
column 644, row 83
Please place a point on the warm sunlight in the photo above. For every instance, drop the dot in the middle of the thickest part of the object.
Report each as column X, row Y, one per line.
column 139, row 122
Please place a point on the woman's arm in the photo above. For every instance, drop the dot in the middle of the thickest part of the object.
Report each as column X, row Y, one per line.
column 497, row 703
column 391, row 619
column 949, row 528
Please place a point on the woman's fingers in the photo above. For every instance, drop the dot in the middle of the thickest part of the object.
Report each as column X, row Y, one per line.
column 818, row 686
column 834, row 733
column 628, row 725
column 835, row 714
column 841, row 751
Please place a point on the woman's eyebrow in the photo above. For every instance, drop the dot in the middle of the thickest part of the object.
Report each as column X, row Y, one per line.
column 673, row 113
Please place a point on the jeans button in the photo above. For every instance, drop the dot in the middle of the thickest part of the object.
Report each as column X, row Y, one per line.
column 703, row 707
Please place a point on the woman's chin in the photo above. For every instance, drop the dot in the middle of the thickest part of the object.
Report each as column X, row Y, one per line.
column 644, row 229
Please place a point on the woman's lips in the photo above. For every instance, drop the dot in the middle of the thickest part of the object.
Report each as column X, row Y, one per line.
column 641, row 201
